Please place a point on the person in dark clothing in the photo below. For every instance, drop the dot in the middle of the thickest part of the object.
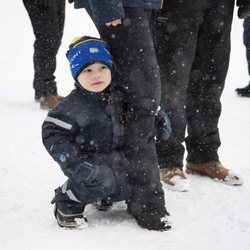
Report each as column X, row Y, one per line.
column 47, row 19
column 83, row 134
column 244, row 13
column 243, row 8
column 192, row 41
column 124, row 25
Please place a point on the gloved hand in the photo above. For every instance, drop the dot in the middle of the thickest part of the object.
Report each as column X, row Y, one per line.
column 244, row 8
column 163, row 125
column 71, row 1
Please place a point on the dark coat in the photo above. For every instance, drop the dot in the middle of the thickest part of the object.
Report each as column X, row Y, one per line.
column 84, row 123
column 107, row 10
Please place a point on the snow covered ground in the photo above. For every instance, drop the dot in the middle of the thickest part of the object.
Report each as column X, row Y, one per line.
column 210, row 216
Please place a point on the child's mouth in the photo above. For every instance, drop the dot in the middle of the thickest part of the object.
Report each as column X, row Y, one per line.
column 97, row 83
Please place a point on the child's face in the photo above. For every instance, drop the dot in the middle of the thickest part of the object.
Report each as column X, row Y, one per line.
column 95, row 78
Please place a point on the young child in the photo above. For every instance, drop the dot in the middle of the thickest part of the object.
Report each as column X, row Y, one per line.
column 83, row 133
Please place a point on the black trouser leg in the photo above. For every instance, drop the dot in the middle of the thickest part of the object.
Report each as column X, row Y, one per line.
column 246, row 39
column 134, row 55
column 175, row 30
column 193, row 51
column 47, row 23
column 206, row 83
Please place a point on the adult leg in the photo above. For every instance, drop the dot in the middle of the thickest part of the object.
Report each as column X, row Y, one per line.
column 47, row 23
column 246, row 39
column 207, row 82
column 204, row 91
column 176, row 29
column 134, row 56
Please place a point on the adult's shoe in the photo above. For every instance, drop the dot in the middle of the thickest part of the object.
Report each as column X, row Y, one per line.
column 245, row 92
column 174, row 179
column 214, row 170
column 49, row 102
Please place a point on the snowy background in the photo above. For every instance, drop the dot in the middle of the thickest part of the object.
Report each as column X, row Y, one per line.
column 210, row 215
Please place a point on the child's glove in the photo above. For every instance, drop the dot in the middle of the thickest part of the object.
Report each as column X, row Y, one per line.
column 244, row 8
column 163, row 125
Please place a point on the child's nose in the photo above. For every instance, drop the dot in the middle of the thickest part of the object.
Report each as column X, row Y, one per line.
column 97, row 74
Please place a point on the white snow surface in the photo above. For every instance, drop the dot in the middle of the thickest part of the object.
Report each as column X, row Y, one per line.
column 210, row 215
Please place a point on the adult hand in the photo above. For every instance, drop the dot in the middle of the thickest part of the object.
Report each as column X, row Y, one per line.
column 114, row 22
column 244, row 8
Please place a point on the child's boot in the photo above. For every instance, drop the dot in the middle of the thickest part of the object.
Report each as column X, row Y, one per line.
column 68, row 213
column 103, row 205
column 70, row 220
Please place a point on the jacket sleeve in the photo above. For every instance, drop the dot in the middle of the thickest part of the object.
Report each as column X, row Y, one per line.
column 59, row 140
column 106, row 10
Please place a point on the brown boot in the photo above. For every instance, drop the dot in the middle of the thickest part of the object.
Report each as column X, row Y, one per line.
column 214, row 170
column 49, row 102
column 174, row 179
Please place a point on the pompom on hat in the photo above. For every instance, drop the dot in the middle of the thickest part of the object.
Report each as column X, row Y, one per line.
column 84, row 51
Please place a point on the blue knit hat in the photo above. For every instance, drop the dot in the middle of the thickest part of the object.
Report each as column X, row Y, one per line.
column 85, row 51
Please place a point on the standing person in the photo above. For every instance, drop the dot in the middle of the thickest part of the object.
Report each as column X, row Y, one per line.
column 47, row 19
column 244, row 13
column 83, row 135
column 192, row 41
column 124, row 25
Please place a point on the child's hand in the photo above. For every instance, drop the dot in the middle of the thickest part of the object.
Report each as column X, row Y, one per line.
column 162, row 125
column 114, row 22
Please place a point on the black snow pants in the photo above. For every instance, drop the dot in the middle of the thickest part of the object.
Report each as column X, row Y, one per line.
column 139, row 81
column 192, row 42
column 246, row 40
column 48, row 24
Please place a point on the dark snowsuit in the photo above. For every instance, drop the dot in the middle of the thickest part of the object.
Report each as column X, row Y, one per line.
column 192, row 40
column 47, row 22
column 134, row 56
column 83, row 135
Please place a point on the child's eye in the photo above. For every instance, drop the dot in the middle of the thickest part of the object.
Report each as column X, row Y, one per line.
column 87, row 70
column 104, row 67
